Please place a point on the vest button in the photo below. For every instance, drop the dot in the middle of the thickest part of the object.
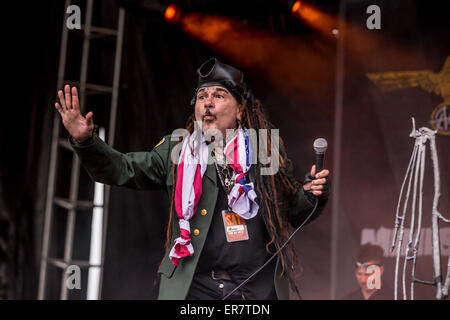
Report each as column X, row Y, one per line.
column 196, row 232
column 203, row 212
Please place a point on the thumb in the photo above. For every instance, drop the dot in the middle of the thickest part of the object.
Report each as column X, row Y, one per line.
column 313, row 171
column 89, row 118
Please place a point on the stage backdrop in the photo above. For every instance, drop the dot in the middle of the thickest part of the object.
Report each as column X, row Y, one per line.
column 390, row 75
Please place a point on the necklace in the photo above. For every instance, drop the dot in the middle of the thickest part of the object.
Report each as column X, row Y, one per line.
column 225, row 177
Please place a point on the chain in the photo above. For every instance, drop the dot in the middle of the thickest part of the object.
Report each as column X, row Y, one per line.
column 225, row 177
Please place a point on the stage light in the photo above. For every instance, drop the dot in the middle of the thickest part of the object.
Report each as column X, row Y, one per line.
column 172, row 14
column 335, row 33
column 296, row 6
column 314, row 17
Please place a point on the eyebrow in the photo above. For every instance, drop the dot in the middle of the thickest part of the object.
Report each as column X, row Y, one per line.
column 216, row 90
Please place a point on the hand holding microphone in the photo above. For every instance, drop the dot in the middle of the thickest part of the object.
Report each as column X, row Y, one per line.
column 317, row 183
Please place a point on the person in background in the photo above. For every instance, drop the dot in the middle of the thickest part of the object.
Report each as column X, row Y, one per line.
column 369, row 269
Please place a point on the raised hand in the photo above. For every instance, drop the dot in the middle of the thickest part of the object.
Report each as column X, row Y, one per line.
column 79, row 127
column 317, row 185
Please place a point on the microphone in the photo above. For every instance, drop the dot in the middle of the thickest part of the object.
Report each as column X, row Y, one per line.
column 320, row 146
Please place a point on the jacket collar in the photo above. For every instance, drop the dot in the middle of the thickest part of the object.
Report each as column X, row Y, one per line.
column 211, row 173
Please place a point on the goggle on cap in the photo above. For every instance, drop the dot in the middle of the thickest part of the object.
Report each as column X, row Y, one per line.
column 215, row 73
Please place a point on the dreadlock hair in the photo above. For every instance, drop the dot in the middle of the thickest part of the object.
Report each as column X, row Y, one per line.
column 275, row 191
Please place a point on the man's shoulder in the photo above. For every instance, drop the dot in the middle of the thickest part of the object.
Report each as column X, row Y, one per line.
column 354, row 295
column 165, row 148
column 167, row 142
column 385, row 293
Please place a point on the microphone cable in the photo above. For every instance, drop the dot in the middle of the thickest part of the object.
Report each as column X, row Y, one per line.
column 276, row 253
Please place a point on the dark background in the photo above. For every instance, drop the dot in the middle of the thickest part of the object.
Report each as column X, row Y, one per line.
column 295, row 80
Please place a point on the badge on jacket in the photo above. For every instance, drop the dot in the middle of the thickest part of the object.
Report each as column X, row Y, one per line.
column 160, row 143
column 235, row 227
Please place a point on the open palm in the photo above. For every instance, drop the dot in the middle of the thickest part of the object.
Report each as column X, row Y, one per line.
column 79, row 127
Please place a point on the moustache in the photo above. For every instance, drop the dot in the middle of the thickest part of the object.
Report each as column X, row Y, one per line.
column 209, row 114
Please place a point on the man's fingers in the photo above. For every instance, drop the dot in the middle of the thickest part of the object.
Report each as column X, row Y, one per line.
column 319, row 181
column 313, row 170
column 75, row 100
column 62, row 100
column 58, row 107
column 317, row 185
column 307, row 186
column 68, row 96
column 89, row 118
column 323, row 173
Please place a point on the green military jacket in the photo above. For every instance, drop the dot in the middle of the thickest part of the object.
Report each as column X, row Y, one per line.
column 152, row 171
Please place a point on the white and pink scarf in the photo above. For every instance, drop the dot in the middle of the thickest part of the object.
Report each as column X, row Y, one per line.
column 188, row 190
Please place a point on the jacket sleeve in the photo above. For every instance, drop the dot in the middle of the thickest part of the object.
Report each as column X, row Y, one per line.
column 136, row 170
column 302, row 206
column 302, row 203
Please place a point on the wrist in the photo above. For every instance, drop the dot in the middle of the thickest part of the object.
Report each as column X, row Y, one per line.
column 81, row 139
column 83, row 143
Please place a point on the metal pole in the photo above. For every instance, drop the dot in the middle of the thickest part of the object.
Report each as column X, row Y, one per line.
column 112, row 130
column 95, row 253
column 75, row 174
column 53, row 160
column 436, row 246
column 339, row 99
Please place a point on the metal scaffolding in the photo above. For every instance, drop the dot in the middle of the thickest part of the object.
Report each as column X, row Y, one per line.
column 416, row 168
column 72, row 204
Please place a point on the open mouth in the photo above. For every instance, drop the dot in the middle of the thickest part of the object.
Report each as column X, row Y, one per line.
column 208, row 117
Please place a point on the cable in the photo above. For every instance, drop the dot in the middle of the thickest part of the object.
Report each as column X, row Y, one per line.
column 276, row 253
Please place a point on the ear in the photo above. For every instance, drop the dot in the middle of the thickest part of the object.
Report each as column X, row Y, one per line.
column 239, row 112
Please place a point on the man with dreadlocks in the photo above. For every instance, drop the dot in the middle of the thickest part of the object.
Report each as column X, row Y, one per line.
column 227, row 216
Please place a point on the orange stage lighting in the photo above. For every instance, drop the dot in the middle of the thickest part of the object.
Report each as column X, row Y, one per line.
column 209, row 29
column 172, row 14
column 290, row 62
column 296, row 6
column 314, row 17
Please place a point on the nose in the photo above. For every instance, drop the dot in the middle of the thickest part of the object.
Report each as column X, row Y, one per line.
column 208, row 106
column 208, row 102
